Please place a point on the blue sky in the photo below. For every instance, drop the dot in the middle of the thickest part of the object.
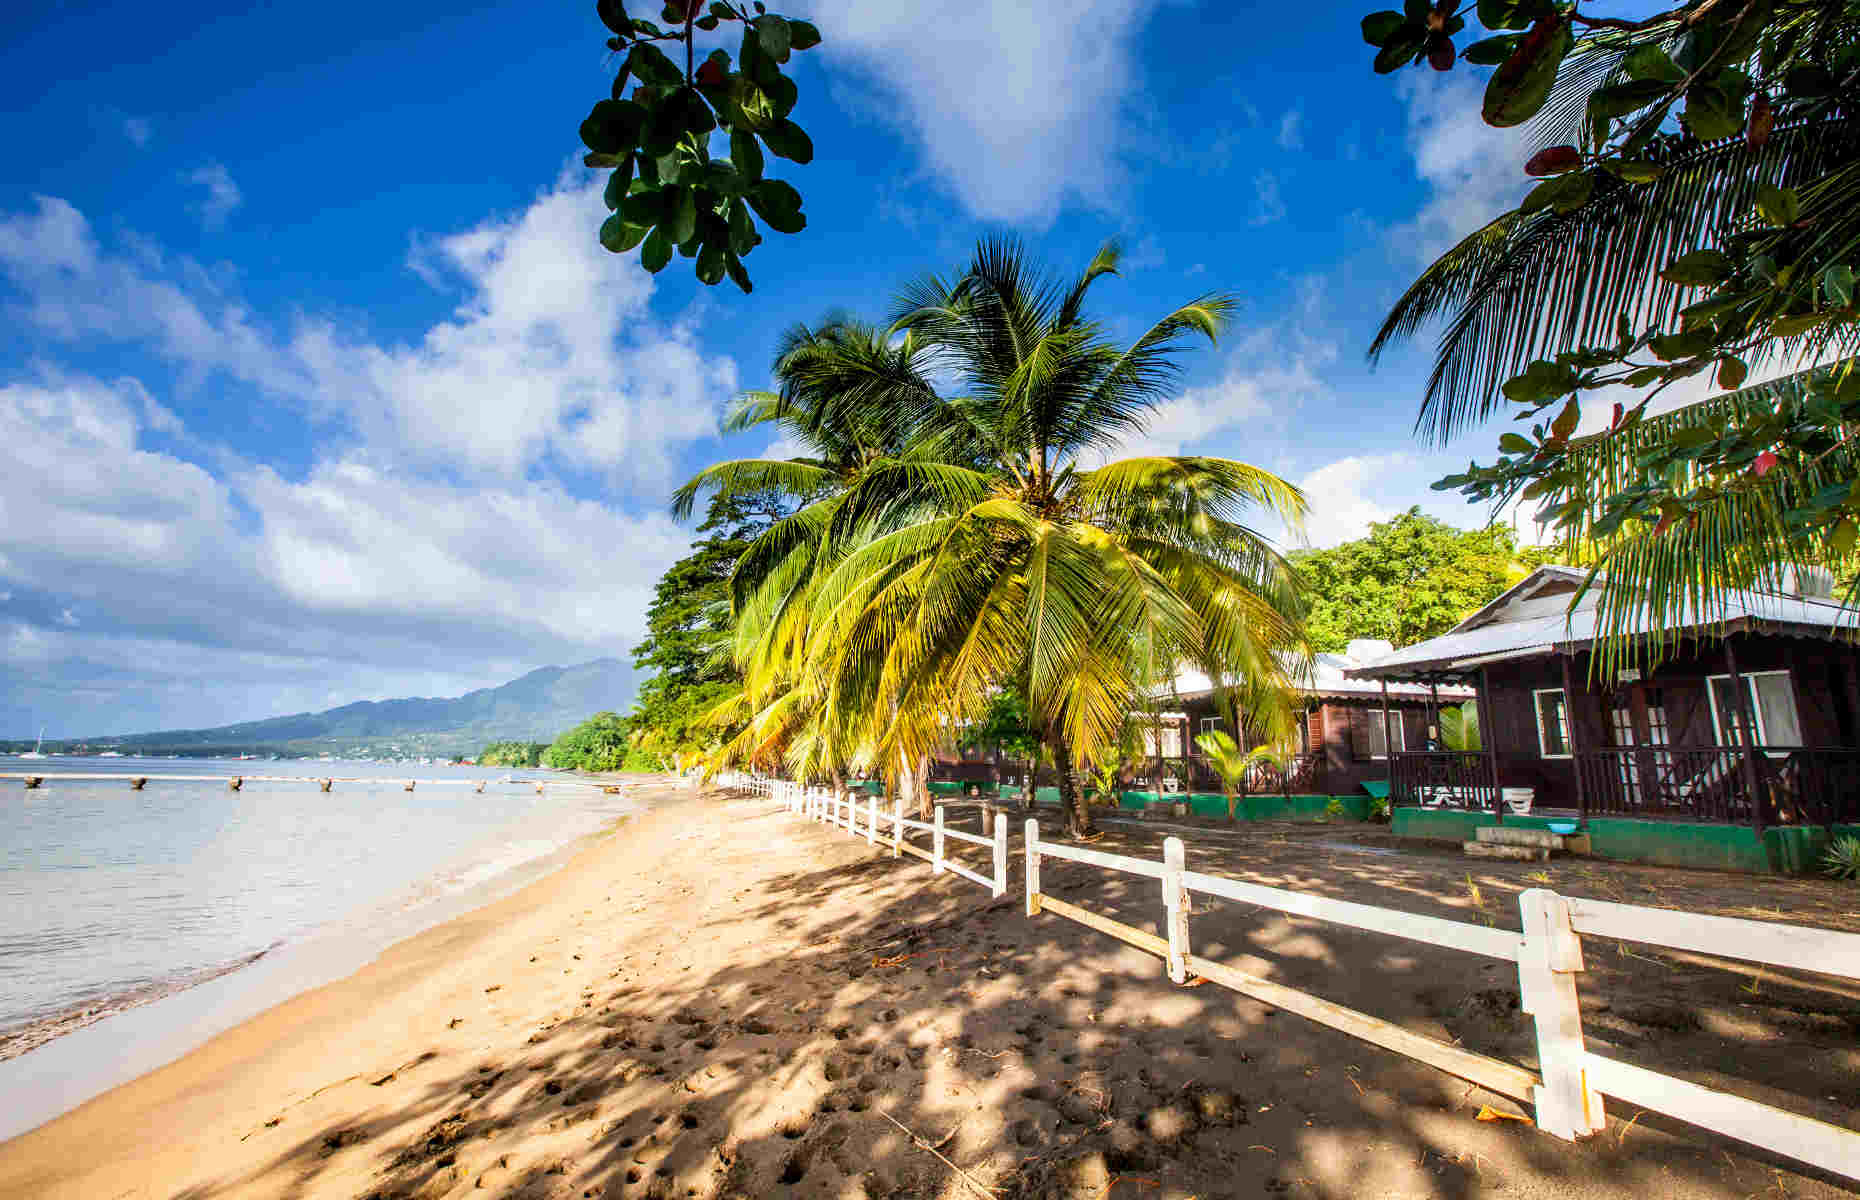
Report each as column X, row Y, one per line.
column 315, row 385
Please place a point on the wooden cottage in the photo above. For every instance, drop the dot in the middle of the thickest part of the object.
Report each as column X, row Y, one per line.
column 1753, row 720
column 1346, row 735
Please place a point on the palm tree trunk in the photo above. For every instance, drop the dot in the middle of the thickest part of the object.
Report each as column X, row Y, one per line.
column 839, row 781
column 920, row 781
column 1071, row 795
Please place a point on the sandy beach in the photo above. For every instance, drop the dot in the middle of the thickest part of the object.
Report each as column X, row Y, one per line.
column 718, row 999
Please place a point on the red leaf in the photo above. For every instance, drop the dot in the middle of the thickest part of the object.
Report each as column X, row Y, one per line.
column 1762, row 120
column 1660, row 526
column 1440, row 55
column 1765, row 462
column 1619, row 413
column 710, row 73
column 1553, row 160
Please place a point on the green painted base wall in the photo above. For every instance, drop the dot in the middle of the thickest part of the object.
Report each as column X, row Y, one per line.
column 1779, row 849
column 1255, row 808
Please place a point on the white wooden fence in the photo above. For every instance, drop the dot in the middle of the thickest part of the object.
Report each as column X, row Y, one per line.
column 1566, row 1096
column 822, row 804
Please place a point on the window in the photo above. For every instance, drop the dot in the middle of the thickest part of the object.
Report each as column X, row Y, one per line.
column 1378, row 733
column 1772, row 700
column 1552, row 722
column 1171, row 740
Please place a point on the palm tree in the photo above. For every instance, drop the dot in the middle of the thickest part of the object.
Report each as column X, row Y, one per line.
column 1091, row 582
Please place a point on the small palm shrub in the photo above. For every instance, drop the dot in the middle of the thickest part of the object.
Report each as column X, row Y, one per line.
column 1842, row 859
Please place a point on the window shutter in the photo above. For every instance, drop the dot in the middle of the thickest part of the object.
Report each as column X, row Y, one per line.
column 1314, row 730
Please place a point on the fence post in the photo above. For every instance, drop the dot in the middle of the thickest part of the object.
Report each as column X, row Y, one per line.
column 1548, row 961
column 871, row 820
column 897, row 824
column 1001, row 834
column 1031, row 838
column 1175, row 904
column 936, row 842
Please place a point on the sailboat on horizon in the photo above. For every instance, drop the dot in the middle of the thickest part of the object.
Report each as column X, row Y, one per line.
column 37, row 751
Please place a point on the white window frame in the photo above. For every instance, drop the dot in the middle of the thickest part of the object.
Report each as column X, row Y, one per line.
column 1393, row 721
column 1537, row 712
column 1756, row 710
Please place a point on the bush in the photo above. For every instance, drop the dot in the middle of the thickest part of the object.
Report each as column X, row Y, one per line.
column 1842, row 859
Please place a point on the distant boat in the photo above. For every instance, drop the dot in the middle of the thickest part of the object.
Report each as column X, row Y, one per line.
column 35, row 752
column 111, row 754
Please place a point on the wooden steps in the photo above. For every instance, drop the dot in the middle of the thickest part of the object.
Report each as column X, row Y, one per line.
column 1518, row 843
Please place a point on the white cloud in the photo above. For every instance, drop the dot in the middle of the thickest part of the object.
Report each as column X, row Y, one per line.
column 1473, row 171
column 138, row 130
column 1016, row 108
column 551, row 358
column 355, row 568
column 1291, row 130
column 1346, row 495
column 221, row 195
column 1270, row 204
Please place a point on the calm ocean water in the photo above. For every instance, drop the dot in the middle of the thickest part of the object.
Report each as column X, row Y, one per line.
column 111, row 897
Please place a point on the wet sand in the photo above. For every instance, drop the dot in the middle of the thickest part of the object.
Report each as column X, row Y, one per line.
column 718, row 999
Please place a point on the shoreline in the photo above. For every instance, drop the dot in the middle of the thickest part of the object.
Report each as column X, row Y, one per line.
column 78, row 1054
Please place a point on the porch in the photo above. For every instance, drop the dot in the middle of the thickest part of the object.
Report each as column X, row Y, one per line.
column 1730, row 785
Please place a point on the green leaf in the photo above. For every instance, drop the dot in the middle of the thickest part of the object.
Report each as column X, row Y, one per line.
column 618, row 185
column 656, row 252
column 1837, row 283
column 742, row 228
column 1649, row 61
column 1697, row 269
column 619, row 236
column 613, row 15
column 1624, row 98
column 786, row 139
column 775, row 36
column 1401, row 48
column 1510, row 14
column 1778, row 205
column 649, row 63
column 680, row 224
column 1378, row 27
column 779, row 205
column 698, row 117
column 1518, row 88
column 643, row 207
column 1691, row 437
column 782, row 95
column 664, row 130
column 746, row 153
column 1491, row 51
column 738, row 275
column 1709, row 117
column 1514, row 443
column 710, row 264
column 1636, row 172
column 801, row 36
column 612, row 126
column 1566, row 193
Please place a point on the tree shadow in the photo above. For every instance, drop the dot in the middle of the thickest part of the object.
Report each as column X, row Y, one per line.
column 896, row 1025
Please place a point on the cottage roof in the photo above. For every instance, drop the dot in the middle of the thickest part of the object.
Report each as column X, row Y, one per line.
column 1534, row 618
column 1328, row 677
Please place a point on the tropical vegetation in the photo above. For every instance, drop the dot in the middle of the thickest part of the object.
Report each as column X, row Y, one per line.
column 512, row 754
column 964, row 529
column 1410, row 578
column 1695, row 225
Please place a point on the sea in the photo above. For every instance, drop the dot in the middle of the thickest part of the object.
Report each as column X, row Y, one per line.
column 136, row 924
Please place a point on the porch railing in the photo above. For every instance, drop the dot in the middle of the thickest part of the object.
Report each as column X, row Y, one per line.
column 1443, row 778
column 1770, row 785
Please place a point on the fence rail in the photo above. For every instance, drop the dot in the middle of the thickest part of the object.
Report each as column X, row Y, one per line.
column 1567, row 1091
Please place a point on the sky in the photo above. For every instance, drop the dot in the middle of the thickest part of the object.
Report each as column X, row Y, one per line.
column 315, row 385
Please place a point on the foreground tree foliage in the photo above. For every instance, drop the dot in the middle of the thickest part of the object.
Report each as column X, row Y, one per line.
column 1697, row 221
column 1413, row 577
column 665, row 189
column 960, row 543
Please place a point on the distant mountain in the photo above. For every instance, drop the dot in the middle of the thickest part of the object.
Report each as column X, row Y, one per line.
column 534, row 708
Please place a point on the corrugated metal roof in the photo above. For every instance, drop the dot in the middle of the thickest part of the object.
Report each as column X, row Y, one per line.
column 1328, row 678
column 1499, row 631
